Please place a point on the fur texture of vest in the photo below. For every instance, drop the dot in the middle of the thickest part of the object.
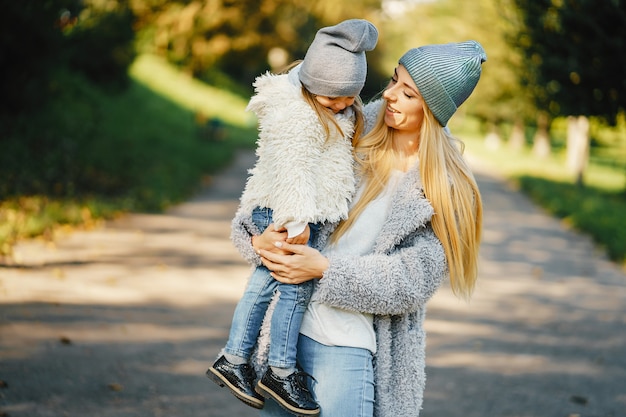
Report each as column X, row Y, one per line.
column 300, row 173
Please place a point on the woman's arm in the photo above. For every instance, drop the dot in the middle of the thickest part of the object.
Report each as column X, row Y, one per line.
column 394, row 283
column 249, row 240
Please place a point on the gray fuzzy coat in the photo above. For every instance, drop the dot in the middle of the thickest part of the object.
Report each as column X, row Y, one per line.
column 394, row 282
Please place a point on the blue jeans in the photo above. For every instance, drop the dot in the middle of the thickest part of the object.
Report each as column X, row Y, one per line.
column 344, row 380
column 251, row 309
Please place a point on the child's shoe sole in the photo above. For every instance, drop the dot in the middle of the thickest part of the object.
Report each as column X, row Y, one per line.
column 220, row 380
column 268, row 393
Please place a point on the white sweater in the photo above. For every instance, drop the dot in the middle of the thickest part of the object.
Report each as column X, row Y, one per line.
column 335, row 326
column 299, row 174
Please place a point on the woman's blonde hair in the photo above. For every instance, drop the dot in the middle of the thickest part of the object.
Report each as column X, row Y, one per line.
column 325, row 115
column 448, row 184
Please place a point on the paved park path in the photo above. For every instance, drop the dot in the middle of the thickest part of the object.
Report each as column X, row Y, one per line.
column 124, row 320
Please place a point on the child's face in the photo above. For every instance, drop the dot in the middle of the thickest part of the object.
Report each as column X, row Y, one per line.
column 335, row 104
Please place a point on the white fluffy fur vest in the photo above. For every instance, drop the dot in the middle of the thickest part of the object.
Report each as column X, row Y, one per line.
column 300, row 174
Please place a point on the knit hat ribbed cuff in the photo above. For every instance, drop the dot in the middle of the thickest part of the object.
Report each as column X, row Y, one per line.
column 445, row 75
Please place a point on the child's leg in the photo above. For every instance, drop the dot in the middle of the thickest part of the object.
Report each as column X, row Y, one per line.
column 232, row 369
column 314, row 229
column 286, row 321
column 284, row 382
column 249, row 314
column 252, row 307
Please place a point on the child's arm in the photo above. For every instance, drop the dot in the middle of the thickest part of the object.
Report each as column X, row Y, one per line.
column 302, row 238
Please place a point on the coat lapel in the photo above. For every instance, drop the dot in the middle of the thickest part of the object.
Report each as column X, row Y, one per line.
column 409, row 211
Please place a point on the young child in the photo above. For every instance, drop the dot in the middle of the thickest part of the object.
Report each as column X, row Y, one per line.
column 303, row 177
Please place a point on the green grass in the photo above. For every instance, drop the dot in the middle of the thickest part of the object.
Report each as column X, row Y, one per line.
column 596, row 209
column 189, row 93
column 144, row 149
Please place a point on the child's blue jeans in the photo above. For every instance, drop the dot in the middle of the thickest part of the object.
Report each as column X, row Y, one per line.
column 251, row 309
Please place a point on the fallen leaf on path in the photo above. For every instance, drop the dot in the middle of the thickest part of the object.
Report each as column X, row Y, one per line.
column 578, row 399
column 115, row 387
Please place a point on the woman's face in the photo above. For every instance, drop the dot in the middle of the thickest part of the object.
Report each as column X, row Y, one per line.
column 335, row 104
column 405, row 105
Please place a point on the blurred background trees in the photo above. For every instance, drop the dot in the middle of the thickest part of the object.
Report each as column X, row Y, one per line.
column 103, row 100
column 575, row 58
column 52, row 52
column 555, row 79
column 554, row 57
column 231, row 42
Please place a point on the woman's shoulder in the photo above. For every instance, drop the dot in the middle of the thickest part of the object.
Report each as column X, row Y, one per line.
column 370, row 113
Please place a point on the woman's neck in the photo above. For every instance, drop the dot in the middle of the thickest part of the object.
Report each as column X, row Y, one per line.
column 406, row 146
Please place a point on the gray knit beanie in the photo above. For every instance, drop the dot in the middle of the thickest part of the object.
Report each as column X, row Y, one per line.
column 335, row 64
column 445, row 75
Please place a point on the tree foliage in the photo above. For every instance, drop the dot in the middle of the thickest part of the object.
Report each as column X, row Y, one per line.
column 30, row 43
column 50, row 115
column 40, row 38
column 101, row 43
column 575, row 52
column 211, row 38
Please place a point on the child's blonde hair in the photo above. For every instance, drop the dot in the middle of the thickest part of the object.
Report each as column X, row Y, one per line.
column 448, row 184
column 325, row 115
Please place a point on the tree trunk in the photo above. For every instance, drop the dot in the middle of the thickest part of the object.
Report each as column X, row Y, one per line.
column 517, row 140
column 577, row 146
column 493, row 140
column 541, row 141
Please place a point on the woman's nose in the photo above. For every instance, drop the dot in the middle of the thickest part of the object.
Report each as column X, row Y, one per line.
column 387, row 94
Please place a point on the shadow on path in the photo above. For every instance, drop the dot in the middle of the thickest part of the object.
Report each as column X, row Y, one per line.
column 544, row 335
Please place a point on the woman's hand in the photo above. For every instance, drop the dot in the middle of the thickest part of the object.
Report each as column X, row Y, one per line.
column 301, row 263
column 266, row 240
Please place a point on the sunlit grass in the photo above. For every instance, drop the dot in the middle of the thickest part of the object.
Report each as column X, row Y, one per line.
column 188, row 92
column 146, row 149
column 514, row 163
column 596, row 209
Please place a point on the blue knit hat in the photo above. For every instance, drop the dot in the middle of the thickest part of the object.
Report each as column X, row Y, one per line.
column 445, row 75
column 335, row 64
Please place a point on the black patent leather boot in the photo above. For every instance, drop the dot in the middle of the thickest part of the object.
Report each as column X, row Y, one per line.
column 291, row 392
column 239, row 379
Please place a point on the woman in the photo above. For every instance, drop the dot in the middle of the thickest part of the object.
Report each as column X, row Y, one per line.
column 416, row 220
